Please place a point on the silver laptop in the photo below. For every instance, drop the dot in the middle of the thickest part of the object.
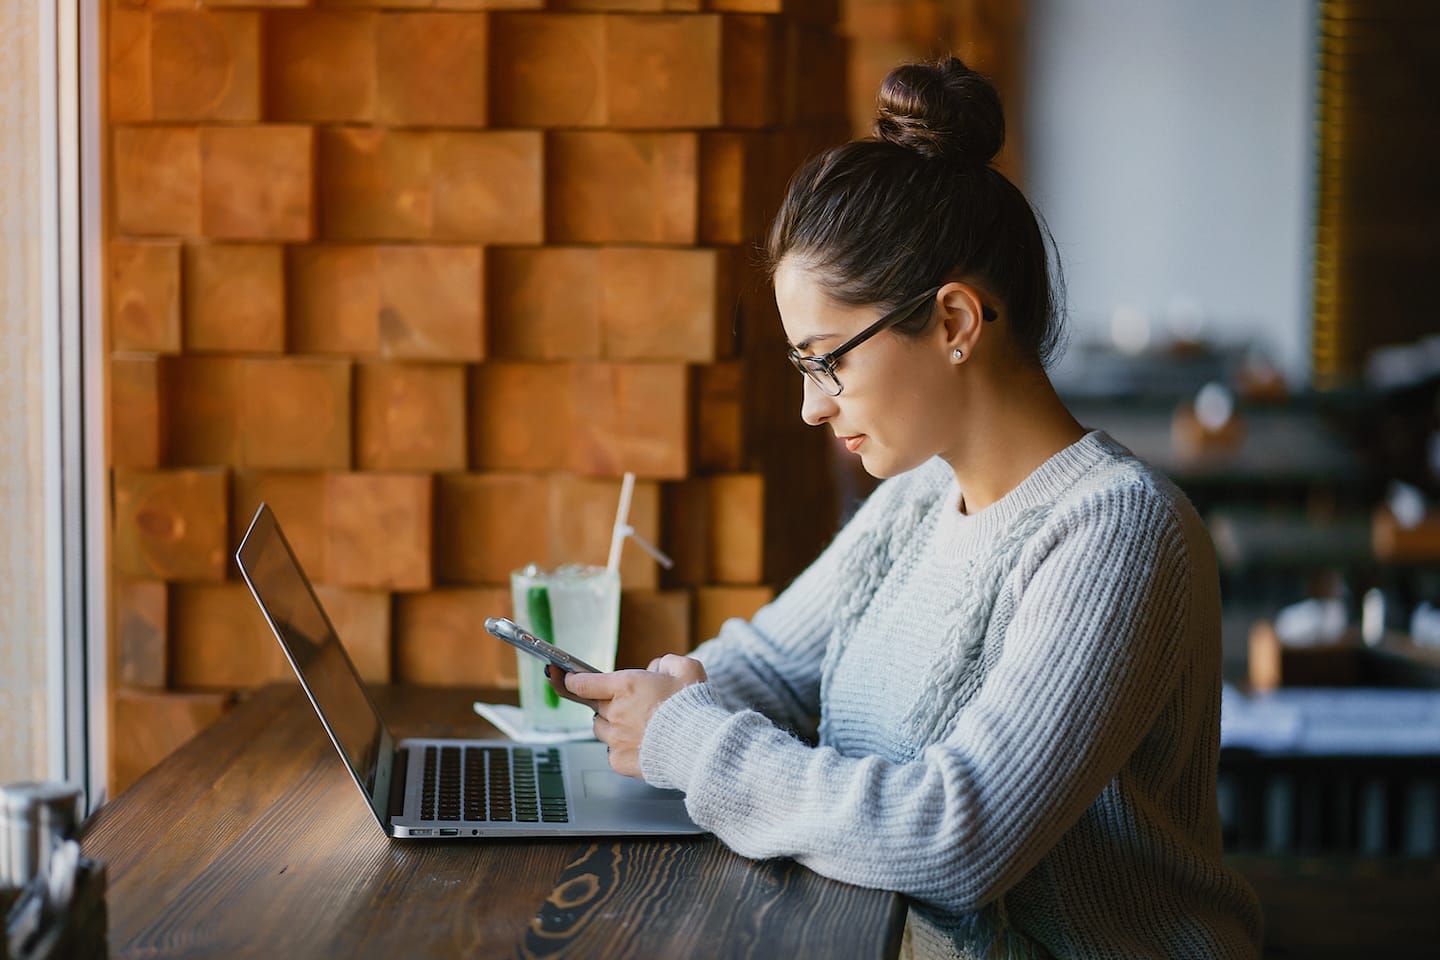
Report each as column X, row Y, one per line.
column 468, row 789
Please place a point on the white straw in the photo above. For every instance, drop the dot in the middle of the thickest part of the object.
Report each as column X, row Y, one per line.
column 622, row 523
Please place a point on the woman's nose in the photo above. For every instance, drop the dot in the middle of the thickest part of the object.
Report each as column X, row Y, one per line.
column 816, row 407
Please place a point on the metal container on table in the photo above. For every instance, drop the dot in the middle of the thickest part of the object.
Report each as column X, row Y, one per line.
column 34, row 819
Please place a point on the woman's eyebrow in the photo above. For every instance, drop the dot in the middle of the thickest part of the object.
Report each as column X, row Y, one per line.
column 810, row 341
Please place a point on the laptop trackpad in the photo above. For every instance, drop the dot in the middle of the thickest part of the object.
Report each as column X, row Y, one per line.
column 609, row 785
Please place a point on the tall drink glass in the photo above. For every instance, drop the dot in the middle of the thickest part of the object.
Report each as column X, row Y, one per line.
column 582, row 606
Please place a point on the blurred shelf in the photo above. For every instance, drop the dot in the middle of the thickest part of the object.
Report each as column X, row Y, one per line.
column 1251, row 538
column 1279, row 446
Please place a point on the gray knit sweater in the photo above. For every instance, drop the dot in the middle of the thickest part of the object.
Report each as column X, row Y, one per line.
column 1019, row 717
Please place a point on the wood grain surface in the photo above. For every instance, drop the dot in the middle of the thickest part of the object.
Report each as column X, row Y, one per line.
column 252, row 841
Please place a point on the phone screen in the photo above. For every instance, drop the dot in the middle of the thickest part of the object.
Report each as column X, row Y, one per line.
column 522, row 639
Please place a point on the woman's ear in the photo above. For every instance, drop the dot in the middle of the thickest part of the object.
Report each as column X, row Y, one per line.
column 961, row 319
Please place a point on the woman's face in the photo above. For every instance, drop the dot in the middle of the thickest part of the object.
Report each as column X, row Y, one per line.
column 890, row 412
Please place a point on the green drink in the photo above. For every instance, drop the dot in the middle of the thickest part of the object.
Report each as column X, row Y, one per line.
column 577, row 608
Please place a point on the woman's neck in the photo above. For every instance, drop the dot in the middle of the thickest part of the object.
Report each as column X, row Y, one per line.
column 1013, row 422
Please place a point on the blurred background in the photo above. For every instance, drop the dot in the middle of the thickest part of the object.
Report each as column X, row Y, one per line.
column 430, row 275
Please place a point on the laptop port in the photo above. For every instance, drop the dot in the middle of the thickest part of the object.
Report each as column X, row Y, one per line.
column 418, row 832
column 448, row 832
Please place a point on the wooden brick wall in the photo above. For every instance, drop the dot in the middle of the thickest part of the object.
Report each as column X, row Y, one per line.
column 989, row 35
column 428, row 280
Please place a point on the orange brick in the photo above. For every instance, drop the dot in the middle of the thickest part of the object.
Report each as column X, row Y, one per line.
column 652, row 624
column 141, row 629
column 260, row 3
column 298, row 502
column 156, row 178
column 378, row 530
column 489, row 4
column 874, row 20
column 764, row 337
column 171, row 525
column 136, row 412
column 659, row 304
column 738, row 186
column 737, row 528
column 521, row 416
column 634, row 418
column 610, row 6
column 337, row 4
column 320, row 66
column 438, row 639
column 722, row 187
column 548, row 70
column 234, row 298
column 145, row 296
column 488, row 187
column 714, row 529
column 148, row 726
column 582, row 516
column 719, row 418
column 361, row 619
column 752, row 72
column 689, row 536
column 219, row 638
column 610, row 187
column 815, row 57
column 430, row 303
column 257, row 182
column 410, row 417
column 432, row 69
column 374, row 184
column 715, row 605
column 296, row 414
column 542, row 304
column 333, row 300
column 205, row 66
column 808, row 11
column 204, row 409
column 686, row 522
column 662, row 71
column 868, row 64
column 488, row 524
column 127, row 74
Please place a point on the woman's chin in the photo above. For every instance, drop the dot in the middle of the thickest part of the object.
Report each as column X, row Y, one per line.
column 882, row 466
column 877, row 465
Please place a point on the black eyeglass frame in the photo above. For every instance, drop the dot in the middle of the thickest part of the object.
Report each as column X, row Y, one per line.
column 821, row 368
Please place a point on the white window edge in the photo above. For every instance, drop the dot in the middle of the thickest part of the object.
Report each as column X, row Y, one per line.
column 73, row 378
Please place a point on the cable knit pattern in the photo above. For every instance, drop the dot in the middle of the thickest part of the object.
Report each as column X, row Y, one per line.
column 961, row 666
column 1019, row 718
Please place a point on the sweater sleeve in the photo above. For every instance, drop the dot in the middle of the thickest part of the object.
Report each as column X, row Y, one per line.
column 772, row 662
column 1090, row 656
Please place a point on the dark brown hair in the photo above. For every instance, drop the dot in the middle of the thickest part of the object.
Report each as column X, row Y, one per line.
column 882, row 219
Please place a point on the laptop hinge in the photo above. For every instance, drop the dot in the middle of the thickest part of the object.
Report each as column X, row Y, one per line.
column 399, row 770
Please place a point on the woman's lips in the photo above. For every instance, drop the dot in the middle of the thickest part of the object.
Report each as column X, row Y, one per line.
column 853, row 443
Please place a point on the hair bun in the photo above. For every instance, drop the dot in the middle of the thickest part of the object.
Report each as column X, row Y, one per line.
column 941, row 109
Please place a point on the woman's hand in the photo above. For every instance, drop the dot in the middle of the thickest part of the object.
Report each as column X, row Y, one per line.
column 625, row 700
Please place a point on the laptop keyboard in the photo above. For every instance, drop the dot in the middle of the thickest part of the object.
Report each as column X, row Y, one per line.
column 498, row 784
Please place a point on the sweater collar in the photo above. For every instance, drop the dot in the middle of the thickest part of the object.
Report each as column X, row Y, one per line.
column 1046, row 484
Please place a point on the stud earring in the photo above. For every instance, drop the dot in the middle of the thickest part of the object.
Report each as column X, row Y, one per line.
column 956, row 355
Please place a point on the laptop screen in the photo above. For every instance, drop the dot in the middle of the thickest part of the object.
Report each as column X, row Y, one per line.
column 325, row 670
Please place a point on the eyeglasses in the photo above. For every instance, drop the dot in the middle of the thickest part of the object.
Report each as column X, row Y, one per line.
column 821, row 370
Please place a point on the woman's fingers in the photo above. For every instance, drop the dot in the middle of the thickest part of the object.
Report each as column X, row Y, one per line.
column 622, row 750
column 556, row 676
column 687, row 669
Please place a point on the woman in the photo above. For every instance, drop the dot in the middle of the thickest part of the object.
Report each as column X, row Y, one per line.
column 1013, row 648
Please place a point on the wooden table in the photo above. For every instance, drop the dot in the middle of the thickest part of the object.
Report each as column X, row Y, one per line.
column 252, row 840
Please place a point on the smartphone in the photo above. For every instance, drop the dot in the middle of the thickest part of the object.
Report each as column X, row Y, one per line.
column 522, row 639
